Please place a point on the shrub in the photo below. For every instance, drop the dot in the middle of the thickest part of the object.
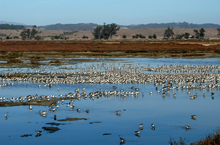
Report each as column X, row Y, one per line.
column 38, row 38
column 124, row 36
column 85, row 37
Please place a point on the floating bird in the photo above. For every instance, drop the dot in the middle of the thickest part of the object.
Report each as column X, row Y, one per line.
column 55, row 117
column 43, row 112
column 137, row 132
column 193, row 116
column 87, row 111
column 122, row 140
column 38, row 131
column 6, row 114
column 114, row 87
column 153, row 125
column 187, row 127
column 30, row 107
column 141, row 125
column 118, row 111
column 78, row 110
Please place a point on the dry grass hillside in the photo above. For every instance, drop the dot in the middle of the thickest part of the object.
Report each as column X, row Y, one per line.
column 77, row 35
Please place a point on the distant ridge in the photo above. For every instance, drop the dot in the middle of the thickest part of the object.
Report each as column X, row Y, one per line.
column 11, row 23
column 173, row 25
column 91, row 26
column 78, row 27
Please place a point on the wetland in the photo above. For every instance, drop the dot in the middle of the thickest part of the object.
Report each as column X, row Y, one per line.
column 64, row 98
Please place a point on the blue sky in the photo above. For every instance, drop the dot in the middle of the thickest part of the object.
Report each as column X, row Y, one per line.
column 122, row 12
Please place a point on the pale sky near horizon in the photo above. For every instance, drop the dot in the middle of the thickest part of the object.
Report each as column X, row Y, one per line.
column 121, row 12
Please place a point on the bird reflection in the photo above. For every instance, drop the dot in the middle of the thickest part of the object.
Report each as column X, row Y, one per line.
column 118, row 114
column 38, row 135
column 141, row 128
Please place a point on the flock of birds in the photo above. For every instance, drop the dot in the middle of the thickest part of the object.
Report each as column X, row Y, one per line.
column 165, row 78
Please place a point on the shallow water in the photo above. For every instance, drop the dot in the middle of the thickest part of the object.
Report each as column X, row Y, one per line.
column 168, row 113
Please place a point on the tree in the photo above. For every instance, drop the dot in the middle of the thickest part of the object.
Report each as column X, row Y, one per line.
column 155, row 36
column 168, row 32
column 186, row 35
column 218, row 32
column 34, row 31
column 180, row 36
column 85, row 37
column 199, row 34
column 38, row 38
column 28, row 33
column 23, row 35
column 202, row 33
column 105, row 31
column 150, row 37
column 124, row 36
column 97, row 32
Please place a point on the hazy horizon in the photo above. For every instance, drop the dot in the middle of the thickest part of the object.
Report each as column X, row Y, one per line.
column 121, row 12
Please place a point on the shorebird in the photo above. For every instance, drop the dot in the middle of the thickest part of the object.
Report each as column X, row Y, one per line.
column 137, row 132
column 122, row 140
column 141, row 125
column 118, row 111
column 30, row 107
column 43, row 112
column 38, row 131
column 193, row 117
column 187, row 127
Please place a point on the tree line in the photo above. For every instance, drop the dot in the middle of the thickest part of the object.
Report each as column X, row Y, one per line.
column 107, row 31
column 13, row 27
column 199, row 34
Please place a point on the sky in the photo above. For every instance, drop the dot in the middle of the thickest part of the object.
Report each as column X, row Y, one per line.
column 121, row 12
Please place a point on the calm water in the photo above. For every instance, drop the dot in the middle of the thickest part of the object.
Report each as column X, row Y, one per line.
column 169, row 114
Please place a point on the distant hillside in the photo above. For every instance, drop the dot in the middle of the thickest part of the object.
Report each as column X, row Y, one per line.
column 91, row 26
column 11, row 27
column 11, row 23
column 78, row 27
column 173, row 25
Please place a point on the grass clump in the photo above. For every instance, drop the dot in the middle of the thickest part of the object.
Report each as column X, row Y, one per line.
column 211, row 139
